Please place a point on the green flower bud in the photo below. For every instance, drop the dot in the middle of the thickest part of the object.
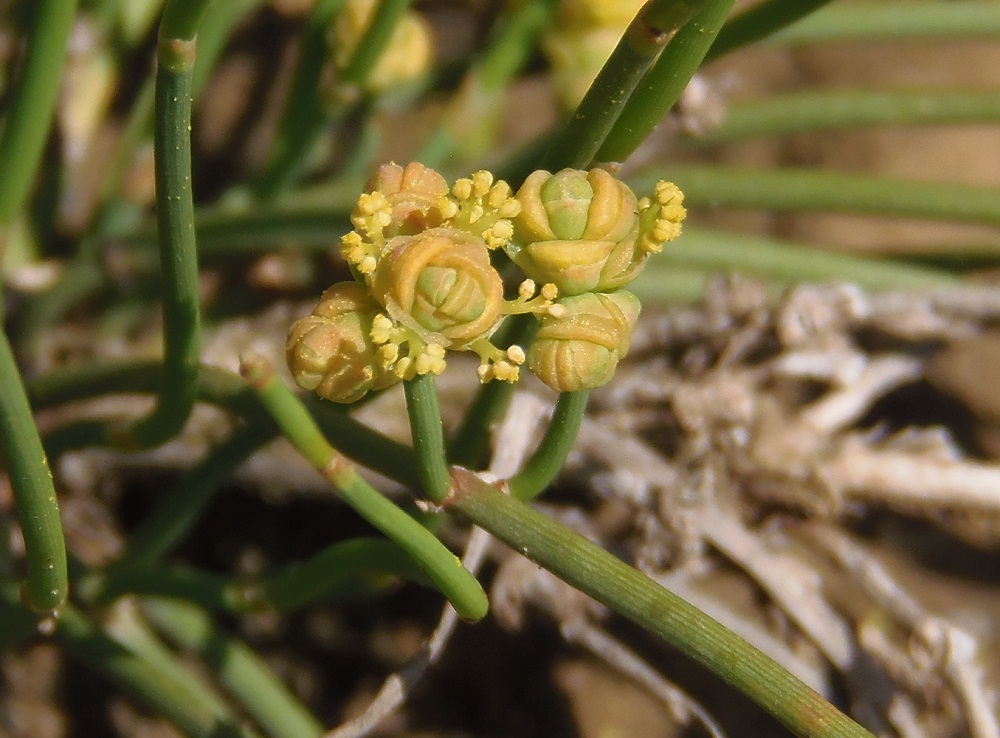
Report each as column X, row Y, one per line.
column 577, row 230
column 579, row 346
column 331, row 350
column 441, row 285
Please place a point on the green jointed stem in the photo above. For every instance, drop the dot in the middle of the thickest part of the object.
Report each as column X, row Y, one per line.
column 428, row 436
column 838, row 109
column 175, row 222
column 241, row 672
column 894, row 21
column 759, row 22
column 629, row 592
column 223, row 389
column 550, row 456
column 644, row 39
column 808, row 189
column 440, row 564
column 46, row 583
column 134, row 660
column 663, row 84
column 359, row 565
column 33, row 103
column 179, row 510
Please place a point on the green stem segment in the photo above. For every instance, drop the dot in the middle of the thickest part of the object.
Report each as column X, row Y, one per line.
column 243, row 674
column 131, row 657
column 175, row 221
column 46, row 583
column 374, row 42
column 440, row 564
column 550, row 456
column 626, row 590
column 428, row 436
column 33, row 104
column 646, row 36
column 665, row 82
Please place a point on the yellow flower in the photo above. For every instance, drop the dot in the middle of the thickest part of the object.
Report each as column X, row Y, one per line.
column 441, row 285
column 331, row 350
column 579, row 347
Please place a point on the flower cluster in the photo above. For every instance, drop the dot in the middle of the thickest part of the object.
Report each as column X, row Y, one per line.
column 425, row 283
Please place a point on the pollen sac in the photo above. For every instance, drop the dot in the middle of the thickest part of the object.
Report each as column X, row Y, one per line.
column 440, row 284
column 579, row 347
column 577, row 230
column 331, row 350
column 413, row 193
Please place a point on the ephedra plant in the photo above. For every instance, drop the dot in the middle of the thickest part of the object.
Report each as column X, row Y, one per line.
column 523, row 260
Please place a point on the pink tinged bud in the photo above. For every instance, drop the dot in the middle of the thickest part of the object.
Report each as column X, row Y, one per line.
column 580, row 349
column 331, row 352
column 441, row 285
column 413, row 193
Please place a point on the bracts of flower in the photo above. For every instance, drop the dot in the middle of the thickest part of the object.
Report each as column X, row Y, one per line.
column 425, row 283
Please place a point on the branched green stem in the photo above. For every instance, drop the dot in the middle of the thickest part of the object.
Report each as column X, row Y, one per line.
column 550, row 456
column 46, row 583
column 33, row 103
column 626, row 590
column 428, row 436
column 646, row 36
column 440, row 564
column 242, row 672
column 663, row 84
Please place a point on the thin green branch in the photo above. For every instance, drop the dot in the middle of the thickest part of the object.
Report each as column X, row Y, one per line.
column 374, row 42
column 793, row 189
column 646, row 36
column 550, row 456
column 626, row 590
column 304, row 115
column 471, row 440
column 33, row 103
column 356, row 567
column 428, row 436
column 175, row 221
column 787, row 263
column 46, row 584
column 242, row 672
column 818, row 110
column 442, row 566
column 894, row 21
column 663, row 84
column 217, row 387
column 178, row 511
column 132, row 658
column 760, row 21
